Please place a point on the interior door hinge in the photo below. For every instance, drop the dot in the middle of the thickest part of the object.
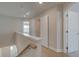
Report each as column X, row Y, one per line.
column 67, row 31
column 67, row 47
column 67, row 15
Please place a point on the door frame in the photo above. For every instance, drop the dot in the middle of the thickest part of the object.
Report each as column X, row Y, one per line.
column 65, row 29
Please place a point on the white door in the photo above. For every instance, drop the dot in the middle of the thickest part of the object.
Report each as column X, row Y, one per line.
column 44, row 30
column 73, row 31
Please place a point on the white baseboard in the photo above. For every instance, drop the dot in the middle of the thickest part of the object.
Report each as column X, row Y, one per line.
column 54, row 49
column 57, row 50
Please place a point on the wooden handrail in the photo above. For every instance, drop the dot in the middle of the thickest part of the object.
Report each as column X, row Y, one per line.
column 29, row 45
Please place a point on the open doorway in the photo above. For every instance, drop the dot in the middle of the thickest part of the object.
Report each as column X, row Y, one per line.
column 72, row 31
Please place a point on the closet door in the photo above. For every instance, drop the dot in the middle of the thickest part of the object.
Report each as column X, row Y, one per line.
column 44, row 30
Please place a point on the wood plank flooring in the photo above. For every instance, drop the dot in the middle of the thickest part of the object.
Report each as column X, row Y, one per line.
column 44, row 53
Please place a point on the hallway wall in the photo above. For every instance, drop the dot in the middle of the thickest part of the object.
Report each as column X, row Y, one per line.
column 35, row 27
column 7, row 27
column 55, row 28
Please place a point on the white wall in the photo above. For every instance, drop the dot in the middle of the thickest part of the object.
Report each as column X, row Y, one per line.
column 60, row 28
column 7, row 27
column 44, row 30
column 55, row 28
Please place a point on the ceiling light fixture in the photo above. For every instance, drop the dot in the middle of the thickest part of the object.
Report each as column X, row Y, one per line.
column 27, row 14
column 40, row 2
column 11, row 47
column 24, row 15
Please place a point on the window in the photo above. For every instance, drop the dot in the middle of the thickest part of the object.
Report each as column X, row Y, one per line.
column 26, row 27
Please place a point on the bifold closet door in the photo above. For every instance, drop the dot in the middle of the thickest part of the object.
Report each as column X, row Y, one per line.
column 73, row 31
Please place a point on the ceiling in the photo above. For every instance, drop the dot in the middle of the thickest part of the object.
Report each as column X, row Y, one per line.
column 20, row 9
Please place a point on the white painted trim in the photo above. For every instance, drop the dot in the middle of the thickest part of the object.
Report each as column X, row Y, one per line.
column 57, row 50
column 54, row 49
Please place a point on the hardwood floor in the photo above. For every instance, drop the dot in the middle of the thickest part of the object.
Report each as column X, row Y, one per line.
column 50, row 53
column 30, row 52
column 45, row 53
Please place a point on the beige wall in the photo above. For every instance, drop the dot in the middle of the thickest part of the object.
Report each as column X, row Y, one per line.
column 35, row 27
column 60, row 28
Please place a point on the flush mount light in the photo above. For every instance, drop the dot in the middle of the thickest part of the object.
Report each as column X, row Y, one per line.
column 24, row 15
column 40, row 2
column 27, row 14
column 11, row 47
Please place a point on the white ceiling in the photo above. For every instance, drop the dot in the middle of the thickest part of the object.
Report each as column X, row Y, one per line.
column 19, row 9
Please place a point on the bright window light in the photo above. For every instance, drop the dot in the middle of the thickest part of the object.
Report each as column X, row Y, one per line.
column 26, row 27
